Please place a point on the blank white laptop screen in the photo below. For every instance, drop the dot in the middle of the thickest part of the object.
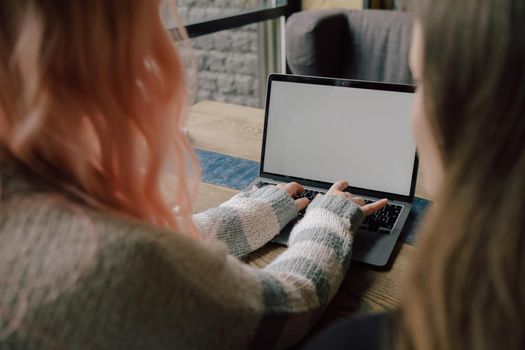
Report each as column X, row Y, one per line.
column 329, row 133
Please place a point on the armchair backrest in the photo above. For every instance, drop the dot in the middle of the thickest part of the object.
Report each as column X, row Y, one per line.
column 356, row 44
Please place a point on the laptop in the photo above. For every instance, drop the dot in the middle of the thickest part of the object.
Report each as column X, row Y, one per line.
column 321, row 130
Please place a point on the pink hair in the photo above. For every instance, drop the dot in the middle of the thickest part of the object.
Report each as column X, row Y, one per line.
column 93, row 97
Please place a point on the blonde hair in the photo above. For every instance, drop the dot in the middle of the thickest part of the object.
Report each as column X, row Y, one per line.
column 93, row 97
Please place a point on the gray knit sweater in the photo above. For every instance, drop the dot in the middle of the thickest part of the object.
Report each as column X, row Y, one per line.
column 72, row 277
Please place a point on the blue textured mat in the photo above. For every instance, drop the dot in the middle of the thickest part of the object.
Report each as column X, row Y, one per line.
column 223, row 170
column 220, row 169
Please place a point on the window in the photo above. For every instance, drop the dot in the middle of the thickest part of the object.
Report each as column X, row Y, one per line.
column 236, row 44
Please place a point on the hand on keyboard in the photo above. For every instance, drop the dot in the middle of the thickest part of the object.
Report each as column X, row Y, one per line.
column 294, row 189
column 367, row 208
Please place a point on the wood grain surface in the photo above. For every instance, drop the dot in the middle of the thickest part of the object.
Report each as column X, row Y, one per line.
column 229, row 129
column 237, row 131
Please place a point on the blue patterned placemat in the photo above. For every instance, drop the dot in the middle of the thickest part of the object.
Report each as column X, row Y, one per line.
column 223, row 170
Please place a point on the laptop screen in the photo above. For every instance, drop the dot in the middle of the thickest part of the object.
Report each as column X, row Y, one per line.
column 330, row 133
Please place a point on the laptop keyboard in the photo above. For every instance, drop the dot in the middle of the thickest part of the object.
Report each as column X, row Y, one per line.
column 381, row 221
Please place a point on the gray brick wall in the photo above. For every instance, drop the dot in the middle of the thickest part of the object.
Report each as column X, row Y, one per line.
column 227, row 61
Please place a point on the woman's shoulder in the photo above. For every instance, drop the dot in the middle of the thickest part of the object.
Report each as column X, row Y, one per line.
column 47, row 224
column 29, row 205
column 48, row 239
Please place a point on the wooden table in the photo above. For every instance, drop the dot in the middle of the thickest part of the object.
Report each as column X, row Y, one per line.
column 237, row 131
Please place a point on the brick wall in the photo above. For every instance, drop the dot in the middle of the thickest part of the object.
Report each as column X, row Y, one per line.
column 227, row 61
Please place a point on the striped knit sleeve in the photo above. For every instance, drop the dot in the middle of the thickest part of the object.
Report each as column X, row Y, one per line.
column 232, row 305
column 249, row 220
column 306, row 277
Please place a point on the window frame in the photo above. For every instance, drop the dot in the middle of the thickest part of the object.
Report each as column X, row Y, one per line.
column 244, row 18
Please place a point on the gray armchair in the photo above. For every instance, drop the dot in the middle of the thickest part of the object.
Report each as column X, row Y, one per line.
column 355, row 44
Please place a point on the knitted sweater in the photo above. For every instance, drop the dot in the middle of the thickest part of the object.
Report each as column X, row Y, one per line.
column 72, row 277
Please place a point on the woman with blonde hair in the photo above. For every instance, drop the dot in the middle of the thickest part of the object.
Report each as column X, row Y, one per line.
column 92, row 255
column 467, row 286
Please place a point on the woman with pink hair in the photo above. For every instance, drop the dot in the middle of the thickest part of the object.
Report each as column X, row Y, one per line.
column 92, row 255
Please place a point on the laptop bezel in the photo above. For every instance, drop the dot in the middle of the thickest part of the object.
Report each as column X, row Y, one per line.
column 351, row 83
